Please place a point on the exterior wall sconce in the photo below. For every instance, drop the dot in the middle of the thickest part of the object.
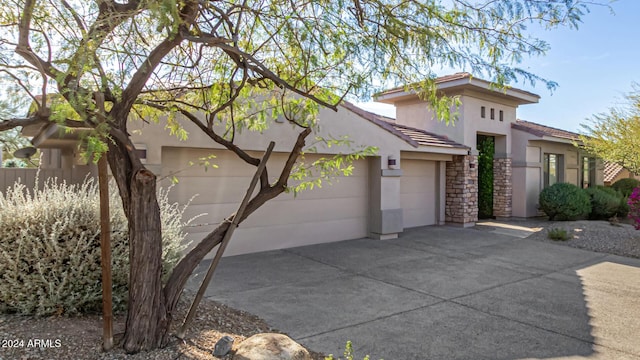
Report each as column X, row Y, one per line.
column 392, row 162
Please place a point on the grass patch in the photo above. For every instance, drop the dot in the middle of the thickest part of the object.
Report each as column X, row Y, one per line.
column 558, row 234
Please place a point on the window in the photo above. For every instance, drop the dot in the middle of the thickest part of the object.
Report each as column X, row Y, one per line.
column 483, row 112
column 501, row 115
column 552, row 168
column 588, row 172
column 493, row 114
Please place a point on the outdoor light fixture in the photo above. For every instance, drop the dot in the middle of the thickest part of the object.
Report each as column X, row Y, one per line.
column 392, row 162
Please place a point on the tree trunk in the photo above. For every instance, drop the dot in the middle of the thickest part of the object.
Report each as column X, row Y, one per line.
column 147, row 320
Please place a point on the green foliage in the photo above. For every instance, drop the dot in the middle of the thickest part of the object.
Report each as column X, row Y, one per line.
column 563, row 202
column 486, row 149
column 50, row 248
column 604, row 204
column 348, row 353
column 14, row 163
column 626, row 186
column 615, row 136
column 558, row 234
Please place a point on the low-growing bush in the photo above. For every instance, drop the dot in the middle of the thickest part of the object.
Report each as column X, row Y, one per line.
column 604, row 204
column 634, row 207
column 558, row 234
column 563, row 202
column 626, row 186
column 50, row 248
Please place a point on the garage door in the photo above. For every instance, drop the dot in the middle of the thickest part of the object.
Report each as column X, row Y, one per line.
column 330, row 213
column 418, row 193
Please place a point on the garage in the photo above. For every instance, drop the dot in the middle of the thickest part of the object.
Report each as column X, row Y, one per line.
column 334, row 212
column 418, row 192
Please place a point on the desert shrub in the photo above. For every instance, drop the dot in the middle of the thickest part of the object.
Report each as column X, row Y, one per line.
column 626, row 186
column 623, row 207
column 50, row 248
column 604, row 204
column 348, row 353
column 564, row 202
column 558, row 234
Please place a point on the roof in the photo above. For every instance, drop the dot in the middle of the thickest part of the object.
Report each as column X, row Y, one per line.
column 544, row 131
column 413, row 136
column 612, row 171
column 459, row 81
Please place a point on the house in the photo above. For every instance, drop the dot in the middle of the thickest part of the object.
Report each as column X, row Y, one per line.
column 425, row 173
column 614, row 172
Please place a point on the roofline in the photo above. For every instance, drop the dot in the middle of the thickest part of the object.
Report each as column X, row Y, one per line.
column 463, row 80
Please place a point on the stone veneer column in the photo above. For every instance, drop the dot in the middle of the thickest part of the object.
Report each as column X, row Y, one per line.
column 462, row 190
column 502, row 188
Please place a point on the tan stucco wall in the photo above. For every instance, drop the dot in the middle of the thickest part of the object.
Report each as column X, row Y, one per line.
column 528, row 171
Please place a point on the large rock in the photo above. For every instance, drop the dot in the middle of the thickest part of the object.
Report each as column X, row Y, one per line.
column 270, row 346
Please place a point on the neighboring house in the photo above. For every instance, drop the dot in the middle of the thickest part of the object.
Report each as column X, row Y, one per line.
column 614, row 172
column 425, row 172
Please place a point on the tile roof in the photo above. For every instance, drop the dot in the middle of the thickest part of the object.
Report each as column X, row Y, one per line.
column 542, row 130
column 611, row 170
column 413, row 136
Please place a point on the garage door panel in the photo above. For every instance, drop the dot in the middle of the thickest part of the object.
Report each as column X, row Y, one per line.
column 331, row 213
column 418, row 192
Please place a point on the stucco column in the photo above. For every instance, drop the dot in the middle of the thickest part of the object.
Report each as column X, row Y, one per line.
column 385, row 213
column 461, row 206
column 502, row 187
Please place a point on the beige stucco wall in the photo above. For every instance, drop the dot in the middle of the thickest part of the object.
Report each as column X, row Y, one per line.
column 528, row 171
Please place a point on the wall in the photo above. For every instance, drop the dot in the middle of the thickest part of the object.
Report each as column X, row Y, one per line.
column 27, row 176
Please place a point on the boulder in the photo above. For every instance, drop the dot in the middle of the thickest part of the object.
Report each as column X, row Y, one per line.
column 270, row 346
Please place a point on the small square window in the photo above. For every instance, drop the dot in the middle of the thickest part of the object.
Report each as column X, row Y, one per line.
column 483, row 112
column 501, row 114
column 493, row 114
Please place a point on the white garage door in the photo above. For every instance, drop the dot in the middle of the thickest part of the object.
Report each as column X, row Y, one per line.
column 330, row 213
column 418, row 192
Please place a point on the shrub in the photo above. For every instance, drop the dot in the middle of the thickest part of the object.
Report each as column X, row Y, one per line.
column 623, row 207
column 50, row 248
column 14, row 163
column 604, row 204
column 634, row 207
column 564, row 202
column 626, row 186
column 348, row 354
column 558, row 234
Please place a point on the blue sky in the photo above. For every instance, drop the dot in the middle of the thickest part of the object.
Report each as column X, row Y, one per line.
column 594, row 67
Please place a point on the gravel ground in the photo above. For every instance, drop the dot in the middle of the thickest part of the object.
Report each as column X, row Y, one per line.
column 81, row 337
column 601, row 236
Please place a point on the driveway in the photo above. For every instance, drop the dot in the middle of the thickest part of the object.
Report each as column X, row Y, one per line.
column 443, row 293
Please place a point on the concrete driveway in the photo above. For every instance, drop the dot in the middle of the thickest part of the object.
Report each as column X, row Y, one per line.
column 443, row 293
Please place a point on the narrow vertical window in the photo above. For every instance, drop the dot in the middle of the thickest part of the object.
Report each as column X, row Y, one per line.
column 483, row 112
column 501, row 114
column 493, row 114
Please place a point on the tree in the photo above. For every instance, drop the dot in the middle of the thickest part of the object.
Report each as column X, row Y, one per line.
column 231, row 65
column 615, row 135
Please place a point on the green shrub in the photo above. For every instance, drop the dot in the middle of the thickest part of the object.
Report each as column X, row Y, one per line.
column 564, row 202
column 626, row 186
column 558, row 234
column 623, row 207
column 14, row 163
column 604, row 204
column 50, row 248
column 348, row 353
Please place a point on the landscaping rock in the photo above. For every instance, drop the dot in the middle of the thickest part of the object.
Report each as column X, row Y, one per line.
column 270, row 346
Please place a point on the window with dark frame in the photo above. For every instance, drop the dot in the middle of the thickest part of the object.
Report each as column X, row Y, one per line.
column 588, row 172
column 493, row 114
column 483, row 111
column 501, row 115
column 553, row 169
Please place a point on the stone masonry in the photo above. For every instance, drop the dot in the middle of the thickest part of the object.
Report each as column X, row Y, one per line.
column 462, row 190
column 502, row 187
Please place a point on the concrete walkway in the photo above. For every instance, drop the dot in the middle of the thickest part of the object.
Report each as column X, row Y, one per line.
column 443, row 293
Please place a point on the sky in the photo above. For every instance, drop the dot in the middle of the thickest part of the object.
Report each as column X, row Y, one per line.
column 594, row 67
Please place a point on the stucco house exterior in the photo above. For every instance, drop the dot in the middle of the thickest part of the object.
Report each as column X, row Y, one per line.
column 614, row 172
column 425, row 173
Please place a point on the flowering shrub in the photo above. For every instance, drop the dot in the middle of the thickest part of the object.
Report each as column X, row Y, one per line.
column 50, row 248
column 634, row 207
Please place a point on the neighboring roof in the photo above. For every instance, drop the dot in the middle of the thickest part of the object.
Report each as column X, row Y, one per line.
column 459, row 81
column 612, row 171
column 413, row 136
column 544, row 131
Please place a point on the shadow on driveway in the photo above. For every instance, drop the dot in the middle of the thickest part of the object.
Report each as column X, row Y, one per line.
column 442, row 293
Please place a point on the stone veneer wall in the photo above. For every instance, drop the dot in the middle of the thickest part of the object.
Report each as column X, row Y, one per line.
column 462, row 190
column 502, row 187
